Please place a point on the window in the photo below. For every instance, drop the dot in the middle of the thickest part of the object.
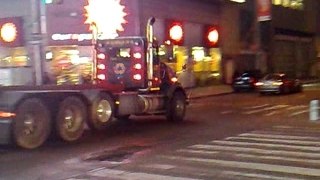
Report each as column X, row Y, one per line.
column 293, row 4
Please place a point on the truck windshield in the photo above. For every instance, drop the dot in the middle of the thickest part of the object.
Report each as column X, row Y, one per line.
column 118, row 53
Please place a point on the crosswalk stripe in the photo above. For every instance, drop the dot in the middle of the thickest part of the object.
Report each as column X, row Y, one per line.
column 297, row 142
column 274, row 136
column 252, row 165
column 258, row 176
column 119, row 174
column 256, row 150
column 255, row 156
column 298, row 129
column 309, row 148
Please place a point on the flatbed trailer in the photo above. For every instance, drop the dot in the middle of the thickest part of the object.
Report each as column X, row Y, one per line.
column 28, row 114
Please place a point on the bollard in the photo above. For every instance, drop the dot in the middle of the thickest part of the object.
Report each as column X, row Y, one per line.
column 314, row 110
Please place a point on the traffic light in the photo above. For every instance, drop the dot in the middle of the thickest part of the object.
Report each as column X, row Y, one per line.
column 11, row 34
column 211, row 36
column 175, row 32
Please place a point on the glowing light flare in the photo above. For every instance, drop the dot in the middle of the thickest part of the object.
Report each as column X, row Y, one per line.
column 137, row 55
column 101, row 56
column 137, row 77
column 101, row 77
column 213, row 36
column 137, row 66
column 176, row 32
column 101, row 66
column 9, row 32
column 107, row 15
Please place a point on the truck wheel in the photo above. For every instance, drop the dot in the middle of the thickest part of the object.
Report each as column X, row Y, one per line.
column 70, row 119
column 102, row 112
column 176, row 107
column 31, row 126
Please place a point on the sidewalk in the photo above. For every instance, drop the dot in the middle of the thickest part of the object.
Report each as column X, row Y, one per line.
column 213, row 90
column 222, row 89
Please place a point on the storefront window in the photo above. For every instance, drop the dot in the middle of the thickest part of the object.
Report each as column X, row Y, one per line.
column 294, row 4
column 16, row 57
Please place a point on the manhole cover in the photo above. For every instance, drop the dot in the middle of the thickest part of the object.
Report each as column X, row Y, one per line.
column 116, row 155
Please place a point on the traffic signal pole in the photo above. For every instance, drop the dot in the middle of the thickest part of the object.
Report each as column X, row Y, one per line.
column 38, row 33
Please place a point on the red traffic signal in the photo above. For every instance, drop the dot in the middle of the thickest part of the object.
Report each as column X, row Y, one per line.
column 11, row 34
column 211, row 36
column 175, row 32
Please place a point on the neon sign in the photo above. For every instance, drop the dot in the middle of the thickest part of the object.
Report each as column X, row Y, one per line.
column 107, row 15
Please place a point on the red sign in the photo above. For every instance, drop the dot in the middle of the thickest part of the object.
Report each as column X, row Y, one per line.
column 263, row 10
column 11, row 33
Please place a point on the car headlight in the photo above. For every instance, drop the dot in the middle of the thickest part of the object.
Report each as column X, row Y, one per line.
column 277, row 83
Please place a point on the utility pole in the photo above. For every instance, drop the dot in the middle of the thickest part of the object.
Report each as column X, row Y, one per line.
column 38, row 34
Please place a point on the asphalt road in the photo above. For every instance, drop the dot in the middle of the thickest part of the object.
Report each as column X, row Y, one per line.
column 234, row 136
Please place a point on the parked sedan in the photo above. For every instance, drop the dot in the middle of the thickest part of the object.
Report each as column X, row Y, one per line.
column 278, row 83
column 246, row 81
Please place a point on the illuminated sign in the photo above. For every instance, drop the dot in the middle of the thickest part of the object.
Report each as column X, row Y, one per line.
column 263, row 10
column 211, row 36
column 11, row 32
column 106, row 17
column 175, row 32
column 76, row 37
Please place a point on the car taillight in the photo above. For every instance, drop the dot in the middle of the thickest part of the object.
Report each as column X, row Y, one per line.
column 277, row 83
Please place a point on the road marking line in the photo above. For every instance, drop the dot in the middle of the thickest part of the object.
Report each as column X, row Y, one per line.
column 300, row 160
column 119, row 174
column 272, row 113
column 302, row 129
column 296, row 142
column 256, row 156
column 161, row 166
column 224, row 148
column 298, row 113
column 308, row 148
column 253, row 166
column 227, row 112
column 265, row 109
column 279, row 136
column 297, row 107
column 255, row 107
column 199, row 151
column 258, row 176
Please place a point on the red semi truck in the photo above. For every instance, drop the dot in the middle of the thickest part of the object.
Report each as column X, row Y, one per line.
column 128, row 79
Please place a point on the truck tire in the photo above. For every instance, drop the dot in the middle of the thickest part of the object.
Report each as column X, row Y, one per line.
column 176, row 107
column 70, row 120
column 32, row 124
column 102, row 112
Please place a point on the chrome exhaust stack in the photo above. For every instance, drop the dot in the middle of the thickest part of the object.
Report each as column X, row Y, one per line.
column 150, row 38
